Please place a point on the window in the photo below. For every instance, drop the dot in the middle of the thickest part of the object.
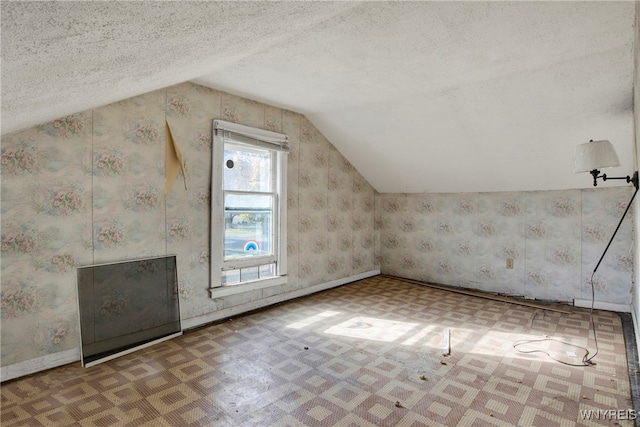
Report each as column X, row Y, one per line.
column 248, row 206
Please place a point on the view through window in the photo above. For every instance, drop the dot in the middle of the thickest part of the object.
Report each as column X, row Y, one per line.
column 249, row 201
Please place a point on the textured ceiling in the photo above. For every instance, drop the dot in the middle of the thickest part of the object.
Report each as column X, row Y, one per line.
column 419, row 96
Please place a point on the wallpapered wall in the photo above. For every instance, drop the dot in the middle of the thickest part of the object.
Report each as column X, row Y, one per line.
column 89, row 188
column 554, row 237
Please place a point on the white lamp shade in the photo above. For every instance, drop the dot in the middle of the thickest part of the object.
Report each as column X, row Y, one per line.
column 595, row 155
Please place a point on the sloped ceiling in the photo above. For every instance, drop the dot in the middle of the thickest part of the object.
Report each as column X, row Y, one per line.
column 419, row 96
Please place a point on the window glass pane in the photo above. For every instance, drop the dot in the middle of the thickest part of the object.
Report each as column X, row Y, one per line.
column 247, row 169
column 248, row 222
column 268, row 270
column 241, row 275
column 231, row 277
column 248, row 274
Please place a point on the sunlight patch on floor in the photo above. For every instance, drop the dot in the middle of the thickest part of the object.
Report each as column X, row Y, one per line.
column 312, row 319
column 371, row 328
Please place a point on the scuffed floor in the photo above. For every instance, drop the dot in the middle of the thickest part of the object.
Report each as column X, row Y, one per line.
column 365, row 354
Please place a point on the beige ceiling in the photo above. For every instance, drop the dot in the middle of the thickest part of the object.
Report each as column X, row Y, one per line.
column 419, row 96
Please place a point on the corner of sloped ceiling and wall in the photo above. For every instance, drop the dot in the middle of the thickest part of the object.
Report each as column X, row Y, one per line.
column 459, row 97
column 419, row 96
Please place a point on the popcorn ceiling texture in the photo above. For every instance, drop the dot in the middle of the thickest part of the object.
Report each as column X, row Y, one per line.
column 469, row 96
column 60, row 58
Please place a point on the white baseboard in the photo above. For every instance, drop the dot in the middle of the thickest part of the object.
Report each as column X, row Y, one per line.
column 38, row 364
column 49, row 361
column 624, row 308
column 195, row 322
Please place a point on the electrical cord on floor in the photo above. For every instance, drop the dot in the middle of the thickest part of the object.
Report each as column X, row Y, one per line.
column 586, row 360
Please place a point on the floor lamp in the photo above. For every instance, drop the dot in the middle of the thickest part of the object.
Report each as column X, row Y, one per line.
column 591, row 157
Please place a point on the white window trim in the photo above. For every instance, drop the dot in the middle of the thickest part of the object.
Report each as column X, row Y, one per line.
column 223, row 291
column 265, row 139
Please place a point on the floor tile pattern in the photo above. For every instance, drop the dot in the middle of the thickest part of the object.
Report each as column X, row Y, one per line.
column 365, row 354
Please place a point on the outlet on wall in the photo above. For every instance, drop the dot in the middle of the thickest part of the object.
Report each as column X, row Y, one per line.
column 510, row 263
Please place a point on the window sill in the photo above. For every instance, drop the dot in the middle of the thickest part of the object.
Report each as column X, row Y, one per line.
column 223, row 291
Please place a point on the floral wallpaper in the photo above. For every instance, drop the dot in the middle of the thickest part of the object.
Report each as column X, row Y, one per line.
column 89, row 188
column 555, row 239
column 46, row 230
